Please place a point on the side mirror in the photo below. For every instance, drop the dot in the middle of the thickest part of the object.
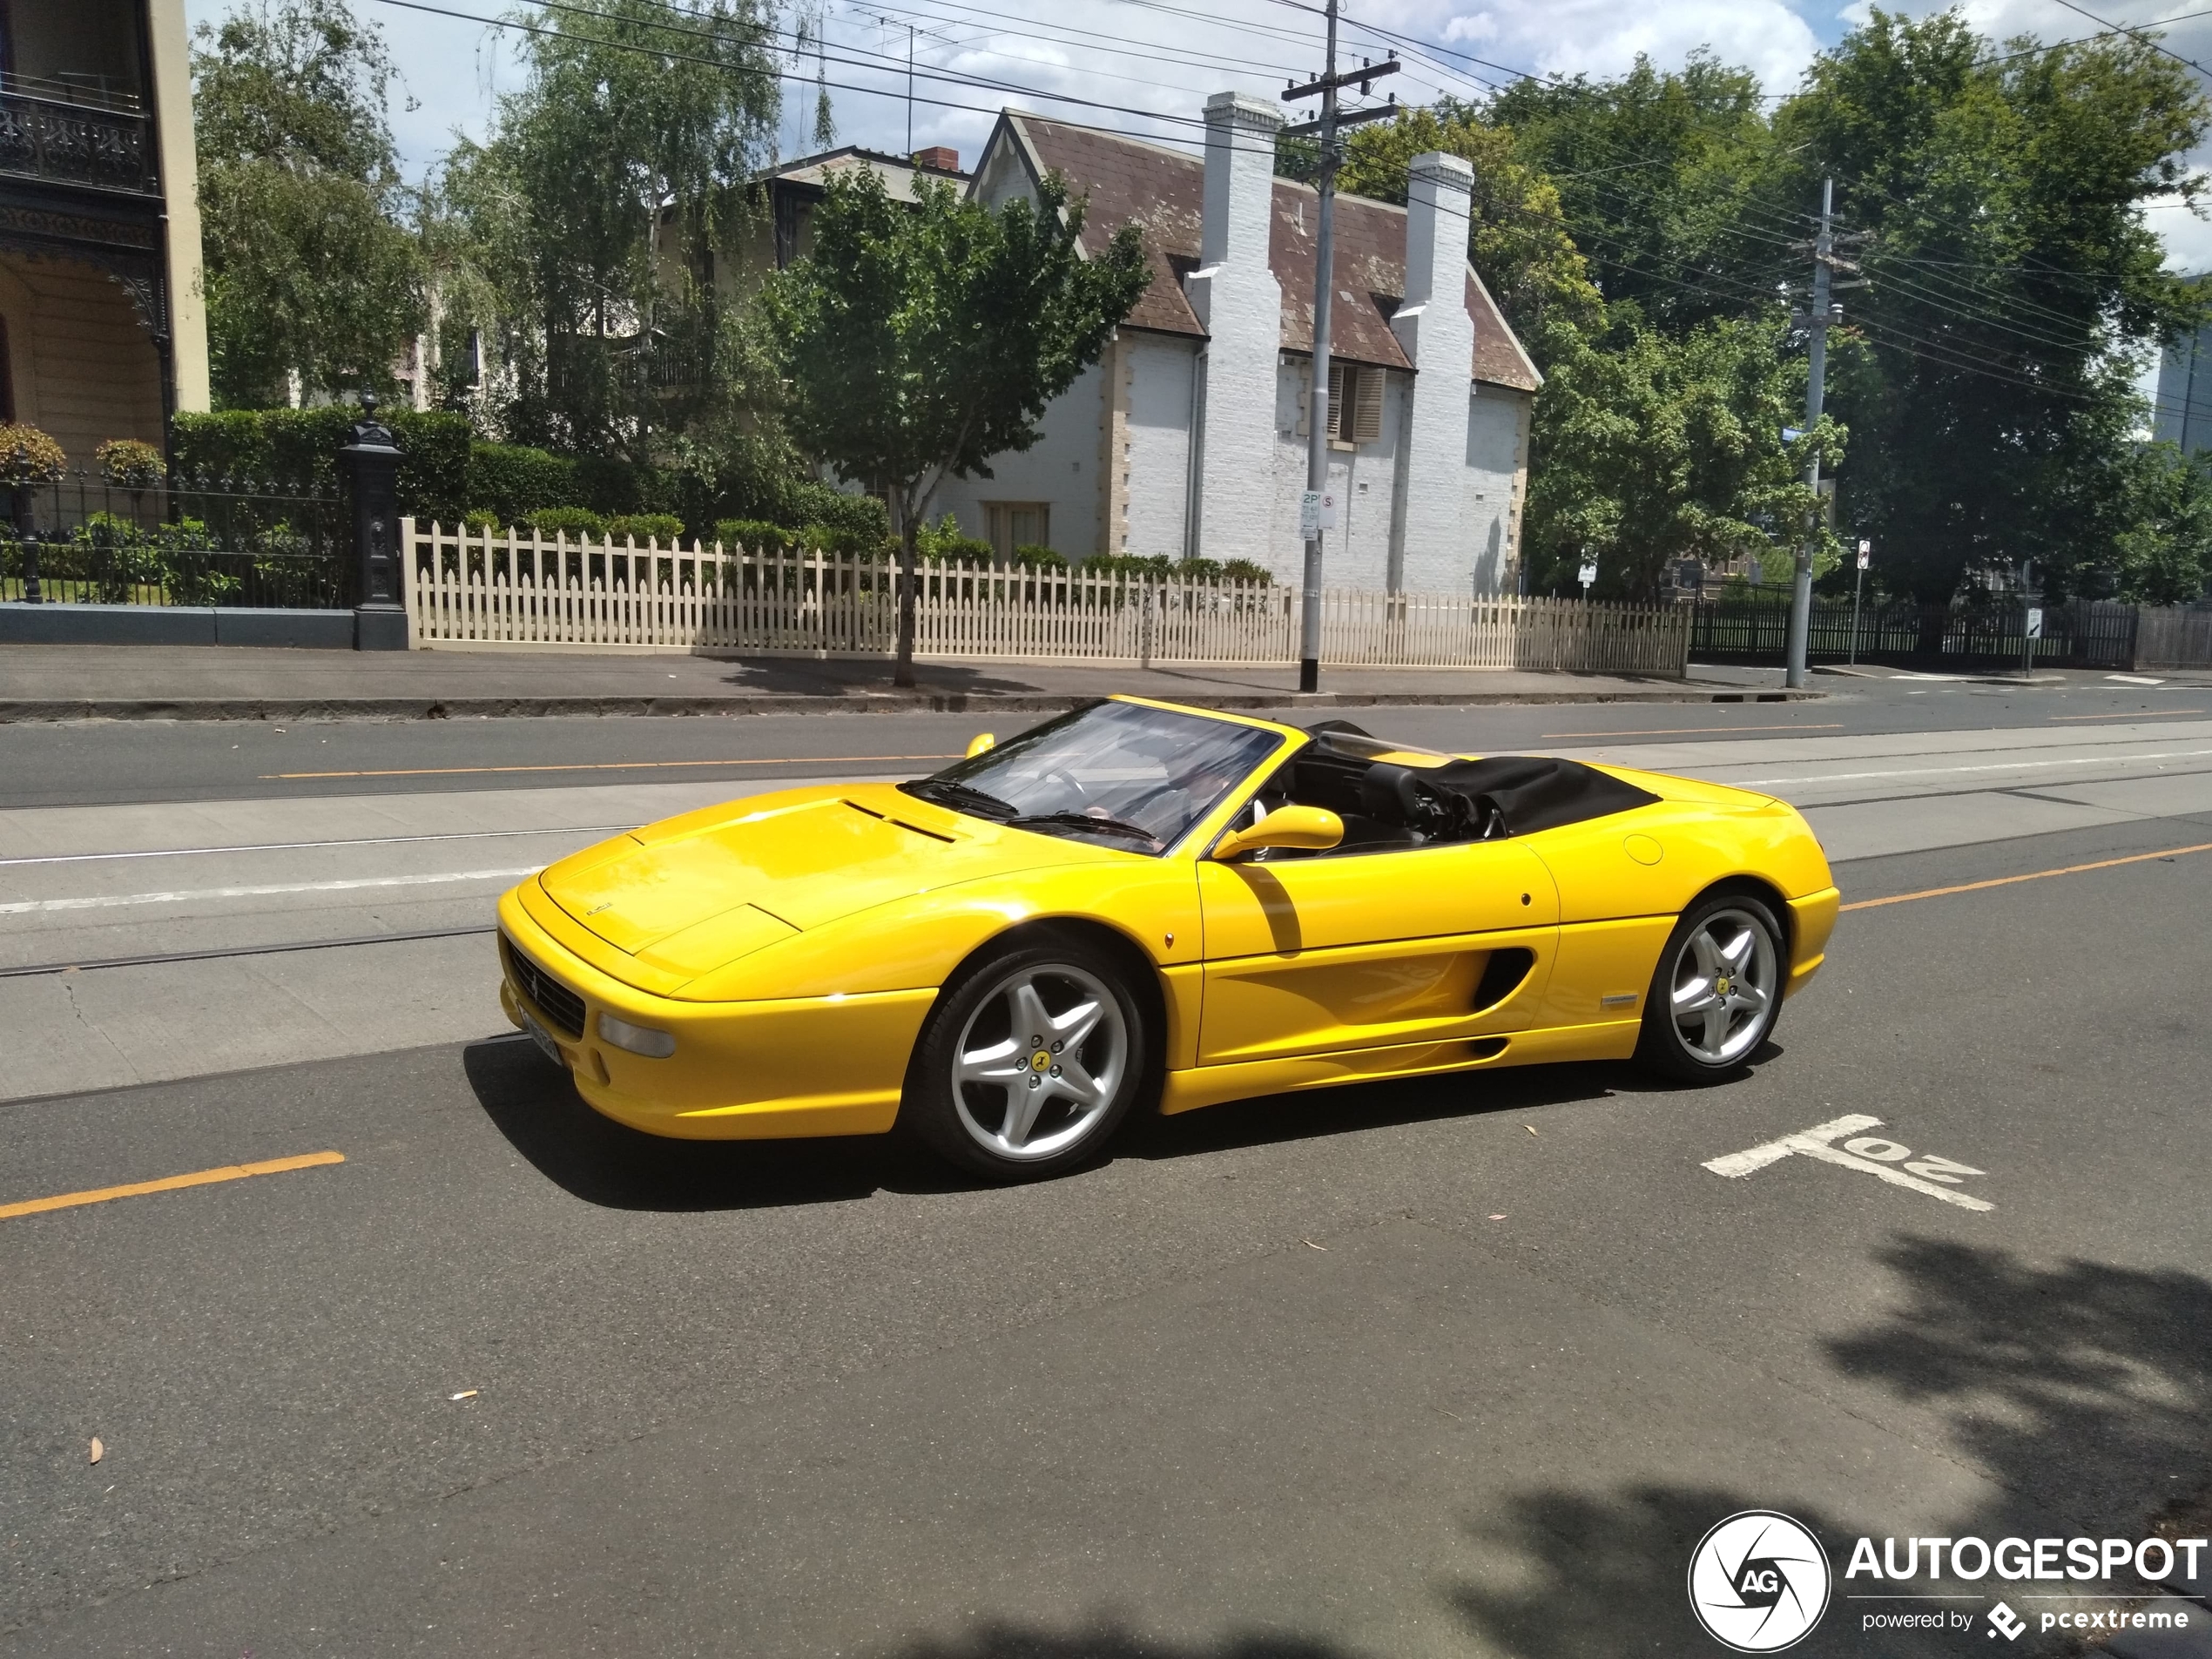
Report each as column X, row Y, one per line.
column 984, row 740
column 1314, row 828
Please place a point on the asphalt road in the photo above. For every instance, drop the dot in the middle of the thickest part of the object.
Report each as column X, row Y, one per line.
column 1441, row 1368
column 72, row 763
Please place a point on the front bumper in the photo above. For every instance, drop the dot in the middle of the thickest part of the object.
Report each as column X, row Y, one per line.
column 1812, row 919
column 753, row 1070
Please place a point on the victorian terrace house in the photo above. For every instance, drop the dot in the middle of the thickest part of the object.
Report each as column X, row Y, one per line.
column 102, row 331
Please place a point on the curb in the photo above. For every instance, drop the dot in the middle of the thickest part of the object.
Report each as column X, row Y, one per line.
column 20, row 711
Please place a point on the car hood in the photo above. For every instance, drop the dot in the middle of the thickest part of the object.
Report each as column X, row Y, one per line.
column 691, row 894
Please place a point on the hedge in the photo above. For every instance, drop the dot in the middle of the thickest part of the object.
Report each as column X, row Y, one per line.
column 297, row 449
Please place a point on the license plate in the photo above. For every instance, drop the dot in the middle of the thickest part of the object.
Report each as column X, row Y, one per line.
column 543, row 1038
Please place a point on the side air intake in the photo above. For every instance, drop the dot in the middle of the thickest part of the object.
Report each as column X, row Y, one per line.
column 1502, row 975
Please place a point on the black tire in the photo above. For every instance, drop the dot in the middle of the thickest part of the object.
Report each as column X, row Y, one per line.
column 1733, row 943
column 1044, row 1118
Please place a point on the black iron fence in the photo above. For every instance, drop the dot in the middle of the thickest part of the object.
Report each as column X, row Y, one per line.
column 1905, row 633
column 238, row 542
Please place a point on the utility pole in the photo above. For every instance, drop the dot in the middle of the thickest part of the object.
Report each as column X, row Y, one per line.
column 1328, row 83
column 1816, row 317
column 1824, row 249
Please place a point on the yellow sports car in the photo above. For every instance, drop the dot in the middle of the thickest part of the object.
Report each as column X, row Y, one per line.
column 1140, row 904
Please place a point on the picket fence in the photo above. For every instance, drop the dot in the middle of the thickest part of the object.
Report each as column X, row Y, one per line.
column 479, row 589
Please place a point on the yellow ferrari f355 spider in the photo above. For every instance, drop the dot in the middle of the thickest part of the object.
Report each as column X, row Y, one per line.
column 1141, row 904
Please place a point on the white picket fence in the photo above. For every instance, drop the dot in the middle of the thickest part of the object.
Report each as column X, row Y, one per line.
column 491, row 591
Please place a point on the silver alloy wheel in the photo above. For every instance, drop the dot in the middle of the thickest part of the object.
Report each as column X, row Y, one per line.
column 1724, row 986
column 1040, row 1063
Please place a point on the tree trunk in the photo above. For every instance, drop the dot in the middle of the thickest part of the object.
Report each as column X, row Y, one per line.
column 903, row 674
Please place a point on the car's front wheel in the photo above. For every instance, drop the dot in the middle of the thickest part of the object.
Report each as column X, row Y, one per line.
column 1717, row 990
column 1029, row 1062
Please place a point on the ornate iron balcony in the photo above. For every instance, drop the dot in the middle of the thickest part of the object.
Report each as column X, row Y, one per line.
column 71, row 144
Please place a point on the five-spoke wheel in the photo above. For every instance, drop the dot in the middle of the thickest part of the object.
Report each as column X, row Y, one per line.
column 1717, row 989
column 1030, row 1060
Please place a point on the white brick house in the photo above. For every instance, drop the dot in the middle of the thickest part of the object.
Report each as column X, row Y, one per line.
column 1189, row 436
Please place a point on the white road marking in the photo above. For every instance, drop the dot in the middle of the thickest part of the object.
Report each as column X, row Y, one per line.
column 1819, row 1142
column 2002, row 765
column 34, row 907
column 295, row 846
column 2134, row 679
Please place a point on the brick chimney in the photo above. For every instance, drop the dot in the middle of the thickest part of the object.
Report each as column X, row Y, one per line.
column 1437, row 335
column 938, row 159
column 1240, row 304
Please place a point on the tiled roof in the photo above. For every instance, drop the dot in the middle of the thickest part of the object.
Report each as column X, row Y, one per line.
column 1163, row 191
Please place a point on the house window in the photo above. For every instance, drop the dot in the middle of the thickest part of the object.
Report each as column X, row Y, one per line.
column 1355, row 404
column 1009, row 524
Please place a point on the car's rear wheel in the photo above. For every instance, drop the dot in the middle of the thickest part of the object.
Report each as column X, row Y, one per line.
column 1716, row 992
column 1030, row 1060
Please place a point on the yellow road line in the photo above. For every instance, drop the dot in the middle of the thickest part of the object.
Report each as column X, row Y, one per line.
column 169, row 1183
column 1686, row 731
column 2136, row 714
column 601, row 766
column 2033, row 875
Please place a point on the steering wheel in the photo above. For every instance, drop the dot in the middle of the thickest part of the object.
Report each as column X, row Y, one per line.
column 1074, row 782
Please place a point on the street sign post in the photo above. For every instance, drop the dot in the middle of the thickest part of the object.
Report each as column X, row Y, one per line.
column 1587, row 576
column 1858, row 588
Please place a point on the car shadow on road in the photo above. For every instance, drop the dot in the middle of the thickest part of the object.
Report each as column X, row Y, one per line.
column 2079, row 1392
column 597, row 1160
column 1356, row 1108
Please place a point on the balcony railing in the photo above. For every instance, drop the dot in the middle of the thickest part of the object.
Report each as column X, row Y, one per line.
column 65, row 142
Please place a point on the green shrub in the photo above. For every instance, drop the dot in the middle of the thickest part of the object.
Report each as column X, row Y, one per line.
column 1244, row 570
column 482, row 521
column 943, row 543
column 42, row 457
column 1130, row 567
column 568, row 520
column 665, row 528
column 511, row 481
column 858, row 520
column 1031, row 556
column 129, row 464
column 753, row 535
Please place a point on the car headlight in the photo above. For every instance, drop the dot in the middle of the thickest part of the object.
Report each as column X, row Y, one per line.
column 638, row 1039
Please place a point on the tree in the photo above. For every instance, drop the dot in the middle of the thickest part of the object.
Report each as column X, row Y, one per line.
column 2015, row 288
column 920, row 340
column 309, row 270
column 1662, row 178
column 597, row 212
column 1648, row 448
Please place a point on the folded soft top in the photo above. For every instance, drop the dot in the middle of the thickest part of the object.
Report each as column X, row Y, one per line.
column 1504, row 794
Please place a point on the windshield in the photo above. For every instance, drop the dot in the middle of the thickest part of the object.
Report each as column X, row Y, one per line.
column 1117, row 774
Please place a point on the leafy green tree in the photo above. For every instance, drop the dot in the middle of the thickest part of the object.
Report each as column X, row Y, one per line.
column 1648, row 448
column 1664, row 180
column 2015, row 290
column 919, row 341
column 310, row 270
column 596, row 214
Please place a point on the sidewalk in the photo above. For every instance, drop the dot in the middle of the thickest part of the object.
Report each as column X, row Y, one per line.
column 218, row 683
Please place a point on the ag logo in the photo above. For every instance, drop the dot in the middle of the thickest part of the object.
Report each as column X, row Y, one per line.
column 1758, row 1581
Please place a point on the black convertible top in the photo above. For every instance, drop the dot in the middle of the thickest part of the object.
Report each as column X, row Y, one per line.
column 1504, row 794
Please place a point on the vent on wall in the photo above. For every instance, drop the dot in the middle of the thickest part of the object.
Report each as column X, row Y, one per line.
column 1501, row 975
